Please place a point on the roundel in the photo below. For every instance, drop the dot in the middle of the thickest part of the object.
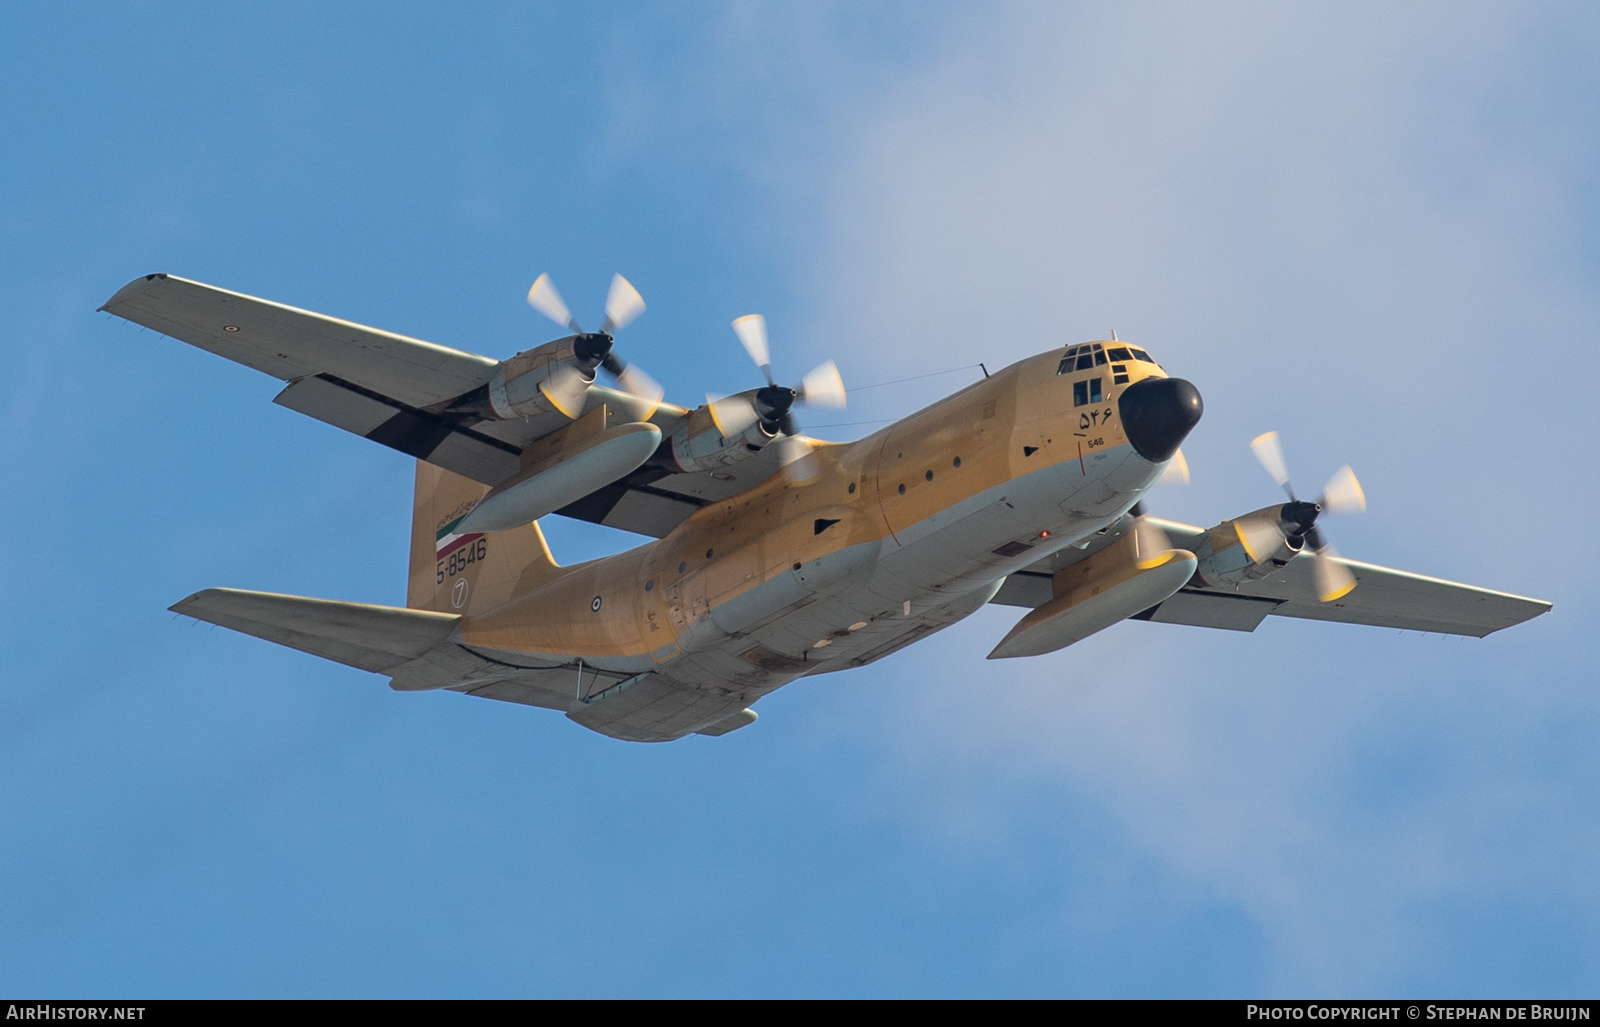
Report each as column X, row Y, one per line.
column 595, row 604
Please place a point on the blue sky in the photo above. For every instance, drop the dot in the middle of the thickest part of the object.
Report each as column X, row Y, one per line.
column 1372, row 228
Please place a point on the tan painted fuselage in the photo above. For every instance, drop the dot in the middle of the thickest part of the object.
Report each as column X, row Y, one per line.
column 887, row 540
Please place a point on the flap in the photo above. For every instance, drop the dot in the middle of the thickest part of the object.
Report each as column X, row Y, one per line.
column 426, row 436
column 375, row 638
column 1210, row 610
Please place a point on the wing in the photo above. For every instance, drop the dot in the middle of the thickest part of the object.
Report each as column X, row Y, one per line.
column 1383, row 596
column 1386, row 598
column 384, row 387
column 290, row 344
column 365, row 380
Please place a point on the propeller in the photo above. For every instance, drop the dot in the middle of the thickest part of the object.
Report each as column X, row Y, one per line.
column 590, row 350
column 1149, row 540
column 1297, row 520
column 773, row 405
column 1176, row 472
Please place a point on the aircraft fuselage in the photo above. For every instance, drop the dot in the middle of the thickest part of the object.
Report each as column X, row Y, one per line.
column 888, row 540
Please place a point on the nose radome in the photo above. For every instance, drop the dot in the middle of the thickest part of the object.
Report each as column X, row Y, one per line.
column 1157, row 414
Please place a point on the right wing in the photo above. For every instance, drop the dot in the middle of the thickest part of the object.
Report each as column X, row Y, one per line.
column 1383, row 596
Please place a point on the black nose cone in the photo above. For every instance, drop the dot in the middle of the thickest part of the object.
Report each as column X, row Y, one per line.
column 1157, row 414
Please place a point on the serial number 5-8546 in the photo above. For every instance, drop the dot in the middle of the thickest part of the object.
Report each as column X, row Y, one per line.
column 462, row 558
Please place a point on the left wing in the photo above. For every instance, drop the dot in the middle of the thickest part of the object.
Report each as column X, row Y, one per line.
column 365, row 380
column 390, row 388
column 290, row 344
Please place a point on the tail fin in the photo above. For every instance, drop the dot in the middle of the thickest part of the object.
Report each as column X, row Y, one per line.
column 467, row 574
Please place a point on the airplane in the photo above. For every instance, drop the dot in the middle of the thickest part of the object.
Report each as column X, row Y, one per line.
column 773, row 556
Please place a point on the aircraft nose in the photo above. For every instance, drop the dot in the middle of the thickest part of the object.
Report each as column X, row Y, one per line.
column 1157, row 414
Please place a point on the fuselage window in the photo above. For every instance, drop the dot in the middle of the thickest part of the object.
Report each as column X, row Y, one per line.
column 1118, row 353
column 1139, row 354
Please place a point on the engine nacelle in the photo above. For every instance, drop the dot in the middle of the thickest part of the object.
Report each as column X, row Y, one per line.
column 1246, row 548
column 697, row 443
column 522, row 385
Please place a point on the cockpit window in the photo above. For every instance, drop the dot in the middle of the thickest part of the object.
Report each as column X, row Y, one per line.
column 1139, row 354
column 1118, row 353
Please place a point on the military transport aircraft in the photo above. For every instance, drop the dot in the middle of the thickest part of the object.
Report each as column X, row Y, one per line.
column 776, row 556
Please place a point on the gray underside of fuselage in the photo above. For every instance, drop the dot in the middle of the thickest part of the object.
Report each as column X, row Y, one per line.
column 945, row 567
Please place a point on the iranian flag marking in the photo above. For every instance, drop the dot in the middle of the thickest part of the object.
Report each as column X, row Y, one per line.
column 447, row 541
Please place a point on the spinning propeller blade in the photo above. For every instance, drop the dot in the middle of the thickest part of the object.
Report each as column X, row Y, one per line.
column 623, row 304
column 1149, row 541
column 542, row 296
column 1342, row 494
column 1176, row 472
column 635, row 382
column 1269, row 450
column 565, row 389
column 1332, row 578
column 752, row 332
column 732, row 414
column 795, row 459
column 823, row 387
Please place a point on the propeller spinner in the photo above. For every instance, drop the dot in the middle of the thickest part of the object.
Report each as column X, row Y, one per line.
column 593, row 349
column 773, row 405
column 1297, row 519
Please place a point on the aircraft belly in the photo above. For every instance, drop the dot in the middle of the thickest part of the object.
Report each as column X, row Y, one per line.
column 841, row 610
column 1012, row 525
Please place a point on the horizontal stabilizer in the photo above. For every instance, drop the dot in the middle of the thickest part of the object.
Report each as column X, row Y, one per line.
column 375, row 638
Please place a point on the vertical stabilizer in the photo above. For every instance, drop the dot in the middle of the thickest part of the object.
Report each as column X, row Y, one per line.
column 474, row 572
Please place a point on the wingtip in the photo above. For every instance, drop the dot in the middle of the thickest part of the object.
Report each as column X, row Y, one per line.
column 194, row 599
column 131, row 288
